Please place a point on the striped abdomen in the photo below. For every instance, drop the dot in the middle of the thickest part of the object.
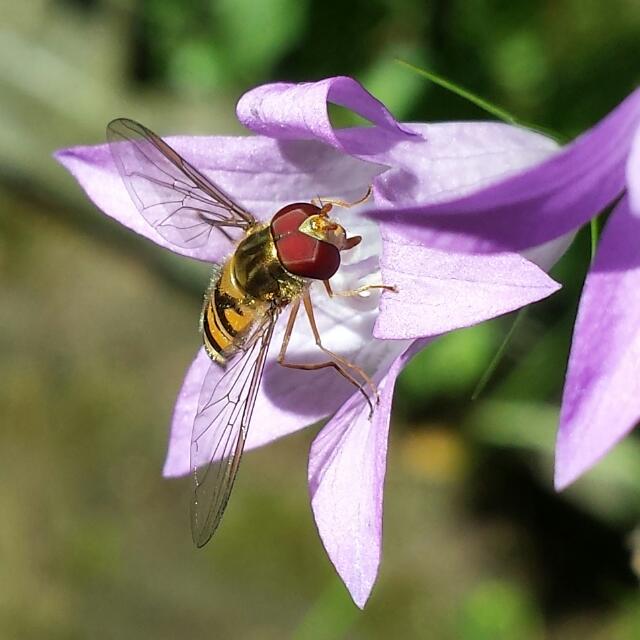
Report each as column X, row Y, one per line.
column 228, row 314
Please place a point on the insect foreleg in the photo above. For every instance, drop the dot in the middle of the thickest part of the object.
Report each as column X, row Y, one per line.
column 349, row 293
column 326, row 204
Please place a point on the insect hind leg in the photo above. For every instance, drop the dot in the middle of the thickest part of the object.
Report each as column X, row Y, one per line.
column 350, row 371
column 341, row 370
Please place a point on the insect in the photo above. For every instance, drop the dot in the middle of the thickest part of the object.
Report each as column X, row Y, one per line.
column 270, row 268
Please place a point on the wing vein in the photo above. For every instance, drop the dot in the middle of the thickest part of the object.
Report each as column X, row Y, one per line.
column 220, row 428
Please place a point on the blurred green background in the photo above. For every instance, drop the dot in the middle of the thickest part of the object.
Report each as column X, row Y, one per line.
column 93, row 543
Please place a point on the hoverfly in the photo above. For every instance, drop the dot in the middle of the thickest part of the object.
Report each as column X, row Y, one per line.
column 271, row 268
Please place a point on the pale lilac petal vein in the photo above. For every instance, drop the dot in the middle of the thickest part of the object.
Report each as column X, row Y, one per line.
column 440, row 292
column 347, row 466
column 601, row 401
column 536, row 205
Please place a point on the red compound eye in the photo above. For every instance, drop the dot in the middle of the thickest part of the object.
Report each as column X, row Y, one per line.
column 299, row 253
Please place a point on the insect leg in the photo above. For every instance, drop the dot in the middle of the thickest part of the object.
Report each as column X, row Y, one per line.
column 356, row 292
column 341, row 365
column 295, row 305
column 345, row 364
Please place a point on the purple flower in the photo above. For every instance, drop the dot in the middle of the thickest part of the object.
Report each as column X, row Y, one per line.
column 601, row 402
column 297, row 155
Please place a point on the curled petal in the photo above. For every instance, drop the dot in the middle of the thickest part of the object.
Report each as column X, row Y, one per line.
column 439, row 291
column 601, row 402
column 299, row 111
column 536, row 205
column 347, row 465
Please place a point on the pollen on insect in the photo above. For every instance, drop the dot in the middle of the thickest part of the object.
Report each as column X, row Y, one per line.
column 322, row 224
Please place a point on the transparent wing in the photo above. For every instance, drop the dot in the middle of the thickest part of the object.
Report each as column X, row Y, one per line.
column 220, row 429
column 175, row 198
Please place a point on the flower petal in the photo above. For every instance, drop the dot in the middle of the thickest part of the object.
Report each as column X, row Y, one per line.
column 535, row 205
column 451, row 159
column 633, row 174
column 439, row 291
column 260, row 173
column 547, row 254
column 601, row 402
column 299, row 111
column 347, row 465
column 283, row 406
column 177, row 462
column 456, row 158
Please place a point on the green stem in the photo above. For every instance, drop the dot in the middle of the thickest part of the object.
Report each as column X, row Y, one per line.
column 594, row 227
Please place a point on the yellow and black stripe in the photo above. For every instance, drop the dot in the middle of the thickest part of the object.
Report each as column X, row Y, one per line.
column 228, row 314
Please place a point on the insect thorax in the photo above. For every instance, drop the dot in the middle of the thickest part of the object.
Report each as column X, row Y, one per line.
column 259, row 271
column 242, row 291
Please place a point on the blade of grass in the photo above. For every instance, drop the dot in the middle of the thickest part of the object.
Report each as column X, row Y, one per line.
column 481, row 103
column 594, row 227
column 497, row 358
